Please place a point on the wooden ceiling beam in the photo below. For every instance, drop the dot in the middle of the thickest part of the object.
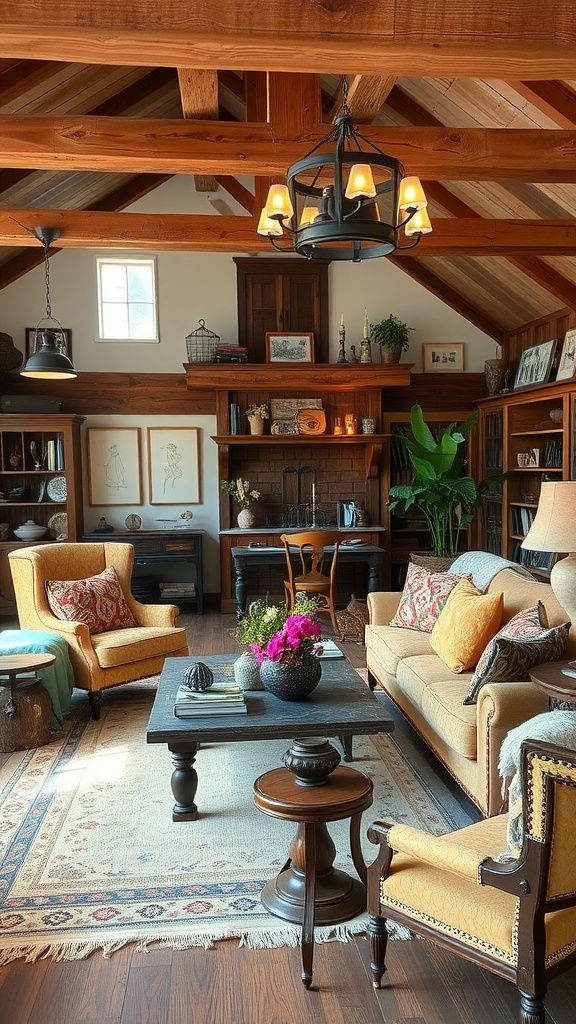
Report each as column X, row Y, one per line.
column 555, row 99
column 424, row 276
column 507, row 40
column 199, row 98
column 164, row 146
column 366, row 95
column 238, row 192
column 196, row 232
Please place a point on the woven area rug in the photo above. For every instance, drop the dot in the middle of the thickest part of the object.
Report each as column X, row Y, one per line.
column 90, row 858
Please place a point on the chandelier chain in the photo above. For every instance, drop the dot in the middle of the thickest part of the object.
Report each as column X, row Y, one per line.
column 47, row 281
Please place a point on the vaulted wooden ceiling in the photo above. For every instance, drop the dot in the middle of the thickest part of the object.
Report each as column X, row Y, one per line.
column 100, row 103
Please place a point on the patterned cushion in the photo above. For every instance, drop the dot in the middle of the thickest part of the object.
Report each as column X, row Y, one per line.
column 98, row 601
column 424, row 595
column 523, row 642
column 467, row 621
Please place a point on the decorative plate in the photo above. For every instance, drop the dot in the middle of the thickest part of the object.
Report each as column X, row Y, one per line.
column 311, row 421
column 58, row 525
column 56, row 488
column 133, row 522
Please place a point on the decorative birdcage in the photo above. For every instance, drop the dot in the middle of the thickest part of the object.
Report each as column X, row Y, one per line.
column 201, row 344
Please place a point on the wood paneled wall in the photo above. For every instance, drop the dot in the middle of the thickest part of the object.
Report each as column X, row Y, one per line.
column 165, row 394
column 553, row 326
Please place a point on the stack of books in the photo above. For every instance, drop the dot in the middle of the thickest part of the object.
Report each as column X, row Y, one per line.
column 177, row 591
column 219, row 699
column 231, row 354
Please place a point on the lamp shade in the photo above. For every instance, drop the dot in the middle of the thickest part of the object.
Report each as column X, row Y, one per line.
column 554, row 526
column 48, row 362
column 554, row 529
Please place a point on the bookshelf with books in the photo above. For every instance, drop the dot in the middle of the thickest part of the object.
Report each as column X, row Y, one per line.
column 529, row 434
column 40, row 480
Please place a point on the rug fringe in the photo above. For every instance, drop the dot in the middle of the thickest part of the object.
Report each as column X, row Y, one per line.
column 259, row 938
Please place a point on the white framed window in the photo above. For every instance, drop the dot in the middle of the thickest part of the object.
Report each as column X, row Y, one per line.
column 127, row 306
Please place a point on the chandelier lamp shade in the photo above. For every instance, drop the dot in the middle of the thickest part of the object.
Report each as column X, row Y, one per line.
column 49, row 358
column 345, row 200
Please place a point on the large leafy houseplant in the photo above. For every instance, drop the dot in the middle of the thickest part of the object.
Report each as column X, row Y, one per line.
column 447, row 498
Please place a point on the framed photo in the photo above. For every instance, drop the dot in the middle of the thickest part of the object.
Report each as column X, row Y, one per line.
column 30, row 340
column 567, row 367
column 113, row 458
column 443, row 358
column 290, row 347
column 173, row 465
column 535, row 365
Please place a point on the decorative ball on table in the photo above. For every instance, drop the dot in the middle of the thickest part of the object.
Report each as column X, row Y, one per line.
column 198, row 677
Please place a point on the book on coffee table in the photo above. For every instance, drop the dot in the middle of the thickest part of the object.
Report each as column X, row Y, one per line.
column 220, row 698
column 329, row 650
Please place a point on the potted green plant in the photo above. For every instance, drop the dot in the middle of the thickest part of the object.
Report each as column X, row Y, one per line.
column 391, row 335
column 447, row 498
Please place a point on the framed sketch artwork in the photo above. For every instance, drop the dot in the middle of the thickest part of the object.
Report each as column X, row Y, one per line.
column 443, row 357
column 113, row 456
column 173, row 465
column 289, row 347
column 567, row 367
column 535, row 365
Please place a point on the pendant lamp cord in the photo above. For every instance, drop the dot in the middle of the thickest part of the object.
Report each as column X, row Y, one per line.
column 47, row 280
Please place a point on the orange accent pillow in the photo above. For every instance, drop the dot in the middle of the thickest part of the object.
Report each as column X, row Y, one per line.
column 97, row 601
column 468, row 620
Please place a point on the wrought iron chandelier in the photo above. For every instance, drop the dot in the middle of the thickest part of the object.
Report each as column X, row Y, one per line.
column 49, row 358
column 348, row 202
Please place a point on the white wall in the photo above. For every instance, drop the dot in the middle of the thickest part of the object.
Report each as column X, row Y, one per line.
column 192, row 286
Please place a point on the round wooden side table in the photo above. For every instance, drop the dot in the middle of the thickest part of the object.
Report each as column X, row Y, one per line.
column 550, row 678
column 309, row 890
column 25, row 707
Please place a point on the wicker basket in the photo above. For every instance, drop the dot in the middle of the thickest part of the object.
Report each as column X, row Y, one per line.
column 201, row 344
column 437, row 563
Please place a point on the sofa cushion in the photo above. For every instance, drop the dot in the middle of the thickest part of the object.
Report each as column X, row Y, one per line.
column 423, row 597
column 97, row 601
column 389, row 645
column 465, row 624
column 449, row 717
column 124, row 646
column 510, row 656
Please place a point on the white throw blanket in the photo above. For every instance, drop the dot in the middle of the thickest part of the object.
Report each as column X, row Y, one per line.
column 483, row 566
column 551, row 727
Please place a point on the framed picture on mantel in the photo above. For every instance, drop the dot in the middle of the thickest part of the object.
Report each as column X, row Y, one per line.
column 290, row 347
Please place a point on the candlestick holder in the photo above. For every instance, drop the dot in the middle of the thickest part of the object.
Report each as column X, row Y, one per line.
column 342, row 352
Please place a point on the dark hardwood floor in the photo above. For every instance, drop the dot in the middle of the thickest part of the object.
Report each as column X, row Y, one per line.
column 234, row 985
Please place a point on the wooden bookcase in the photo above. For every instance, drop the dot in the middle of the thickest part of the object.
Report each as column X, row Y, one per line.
column 537, row 420
column 47, row 491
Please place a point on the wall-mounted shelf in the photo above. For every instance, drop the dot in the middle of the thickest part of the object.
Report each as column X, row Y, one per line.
column 289, row 439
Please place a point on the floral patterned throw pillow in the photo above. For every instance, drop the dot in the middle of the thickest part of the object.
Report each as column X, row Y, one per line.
column 98, row 602
column 424, row 595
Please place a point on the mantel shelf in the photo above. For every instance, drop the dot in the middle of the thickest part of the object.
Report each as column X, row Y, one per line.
column 303, row 376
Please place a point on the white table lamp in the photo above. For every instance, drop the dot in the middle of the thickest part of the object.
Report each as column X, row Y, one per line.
column 554, row 529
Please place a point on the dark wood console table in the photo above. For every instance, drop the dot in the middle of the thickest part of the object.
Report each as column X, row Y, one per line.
column 162, row 548
column 243, row 557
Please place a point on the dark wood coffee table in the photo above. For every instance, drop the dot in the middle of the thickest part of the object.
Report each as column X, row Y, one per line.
column 341, row 705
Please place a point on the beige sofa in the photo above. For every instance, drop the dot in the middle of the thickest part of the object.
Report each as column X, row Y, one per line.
column 466, row 738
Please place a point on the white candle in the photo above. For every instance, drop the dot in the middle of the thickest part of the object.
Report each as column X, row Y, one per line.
column 366, row 329
column 313, row 493
column 342, row 320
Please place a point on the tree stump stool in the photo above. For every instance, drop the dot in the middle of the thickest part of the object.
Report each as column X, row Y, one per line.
column 309, row 890
column 25, row 707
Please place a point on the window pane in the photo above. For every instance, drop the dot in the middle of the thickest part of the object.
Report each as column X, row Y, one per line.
column 114, row 287
column 115, row 320
column 140, row 284
column 141, row 321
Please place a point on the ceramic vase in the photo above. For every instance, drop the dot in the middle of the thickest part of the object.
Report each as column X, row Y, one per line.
column 291, row 682
column 246, row 519
column 495, row 373
column 256, row 424
column 247, row 672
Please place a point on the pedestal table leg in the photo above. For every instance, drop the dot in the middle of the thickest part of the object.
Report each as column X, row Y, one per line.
column 184, row 781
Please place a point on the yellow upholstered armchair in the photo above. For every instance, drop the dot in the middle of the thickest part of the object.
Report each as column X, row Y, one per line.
column 103, row 659
column 516, row 918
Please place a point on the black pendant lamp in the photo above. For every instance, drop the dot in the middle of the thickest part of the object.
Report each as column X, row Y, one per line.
column 49, row 359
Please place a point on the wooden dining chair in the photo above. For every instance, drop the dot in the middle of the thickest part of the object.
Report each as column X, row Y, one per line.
column 317, row 575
